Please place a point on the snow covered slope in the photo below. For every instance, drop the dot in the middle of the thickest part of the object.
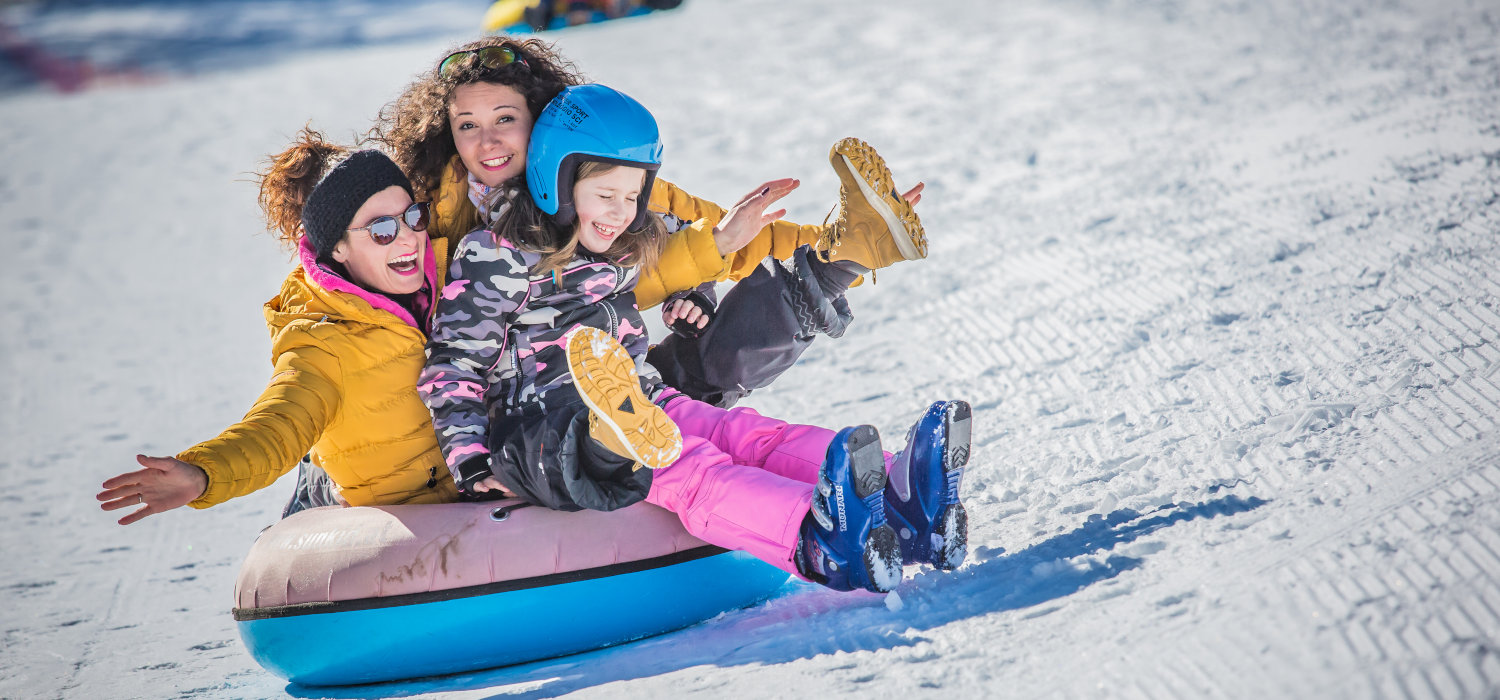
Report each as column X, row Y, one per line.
column 1220, row 280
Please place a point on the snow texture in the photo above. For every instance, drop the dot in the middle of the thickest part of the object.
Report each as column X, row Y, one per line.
column 1219, row 278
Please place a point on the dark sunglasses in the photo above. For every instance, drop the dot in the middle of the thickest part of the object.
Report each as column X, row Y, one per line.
column 491, row 57
column 385, row 229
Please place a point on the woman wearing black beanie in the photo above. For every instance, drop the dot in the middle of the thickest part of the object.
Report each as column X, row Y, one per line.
column 348, row 330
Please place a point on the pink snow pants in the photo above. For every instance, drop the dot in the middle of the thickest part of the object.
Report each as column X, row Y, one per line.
column 743, row 481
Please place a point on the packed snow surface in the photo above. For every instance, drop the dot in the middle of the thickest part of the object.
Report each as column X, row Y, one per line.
column 1220, row 280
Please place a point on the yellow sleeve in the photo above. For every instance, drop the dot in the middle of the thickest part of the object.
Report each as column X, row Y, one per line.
column 777, row 240
column 290, row 415
column 691, row 256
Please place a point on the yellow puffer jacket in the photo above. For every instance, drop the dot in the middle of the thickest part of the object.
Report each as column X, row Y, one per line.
column 344, row 388
column 690, row 258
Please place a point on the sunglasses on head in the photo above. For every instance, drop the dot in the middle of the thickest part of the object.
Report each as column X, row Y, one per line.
column 491, row 57
column 384, row 230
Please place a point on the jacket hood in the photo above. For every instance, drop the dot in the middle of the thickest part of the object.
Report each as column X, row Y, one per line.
column 314, row 292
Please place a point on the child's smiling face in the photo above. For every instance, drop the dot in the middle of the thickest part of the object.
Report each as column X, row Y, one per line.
column 606, row 206
column 491, row 127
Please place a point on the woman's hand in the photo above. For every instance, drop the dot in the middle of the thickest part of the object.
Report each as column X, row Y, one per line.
column 685, row 310
column 164, row 484
column 914, row 195
column 747, row 217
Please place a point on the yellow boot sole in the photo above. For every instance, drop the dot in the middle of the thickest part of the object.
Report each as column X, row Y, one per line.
column 857, row 162
column 606, row 379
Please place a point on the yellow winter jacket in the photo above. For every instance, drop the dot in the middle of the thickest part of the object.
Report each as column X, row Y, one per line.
column 690, row 258
column 345, row 389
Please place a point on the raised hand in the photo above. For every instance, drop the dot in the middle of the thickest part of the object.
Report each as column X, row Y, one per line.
column 748, row 216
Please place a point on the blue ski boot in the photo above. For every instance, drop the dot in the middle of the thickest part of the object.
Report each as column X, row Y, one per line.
column 921, row 496
column 845, row 543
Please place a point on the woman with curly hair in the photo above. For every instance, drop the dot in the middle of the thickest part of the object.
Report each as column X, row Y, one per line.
column 461, row 131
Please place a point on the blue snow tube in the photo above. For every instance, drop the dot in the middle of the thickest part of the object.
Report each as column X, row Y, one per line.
column 339, row 596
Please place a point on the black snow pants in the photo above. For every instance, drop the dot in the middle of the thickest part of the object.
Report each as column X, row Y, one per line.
column 763, row 326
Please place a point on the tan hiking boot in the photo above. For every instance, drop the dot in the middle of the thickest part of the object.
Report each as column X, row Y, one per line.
column 876, row 227
column 621, row 417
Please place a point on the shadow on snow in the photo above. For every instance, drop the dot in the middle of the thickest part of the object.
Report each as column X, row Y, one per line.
column 805, row 620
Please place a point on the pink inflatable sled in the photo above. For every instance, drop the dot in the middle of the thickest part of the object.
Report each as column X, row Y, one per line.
column 336, row 596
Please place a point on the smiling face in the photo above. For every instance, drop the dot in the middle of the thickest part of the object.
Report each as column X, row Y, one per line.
column 394, row 268
column 606, row 205
column 491, row 126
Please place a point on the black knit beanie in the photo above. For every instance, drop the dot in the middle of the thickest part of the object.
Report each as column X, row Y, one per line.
column 330, row 208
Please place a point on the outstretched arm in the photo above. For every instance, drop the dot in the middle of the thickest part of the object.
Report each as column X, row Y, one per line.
column 705, row 252
column 296, row 406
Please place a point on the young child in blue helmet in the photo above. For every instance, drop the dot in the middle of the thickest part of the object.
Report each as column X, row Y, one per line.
column 538, row 385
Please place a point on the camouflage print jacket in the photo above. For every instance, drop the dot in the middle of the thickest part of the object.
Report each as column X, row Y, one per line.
column 497, row 340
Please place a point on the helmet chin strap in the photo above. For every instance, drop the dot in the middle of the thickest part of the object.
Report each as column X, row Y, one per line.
column 566, row 214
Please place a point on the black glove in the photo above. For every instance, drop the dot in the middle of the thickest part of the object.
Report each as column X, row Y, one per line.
column 470, row 472
column 688, row 329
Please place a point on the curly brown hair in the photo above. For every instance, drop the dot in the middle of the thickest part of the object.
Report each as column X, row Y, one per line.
column 414, row 128
column 529, row 228
column 288, row 180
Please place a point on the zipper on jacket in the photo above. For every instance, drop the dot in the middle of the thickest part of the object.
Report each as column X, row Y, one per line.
column 516, row 376
column 619, row 277
column 614, row 317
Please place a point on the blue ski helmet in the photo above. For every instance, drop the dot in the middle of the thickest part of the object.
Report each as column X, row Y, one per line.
column 589, row 122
